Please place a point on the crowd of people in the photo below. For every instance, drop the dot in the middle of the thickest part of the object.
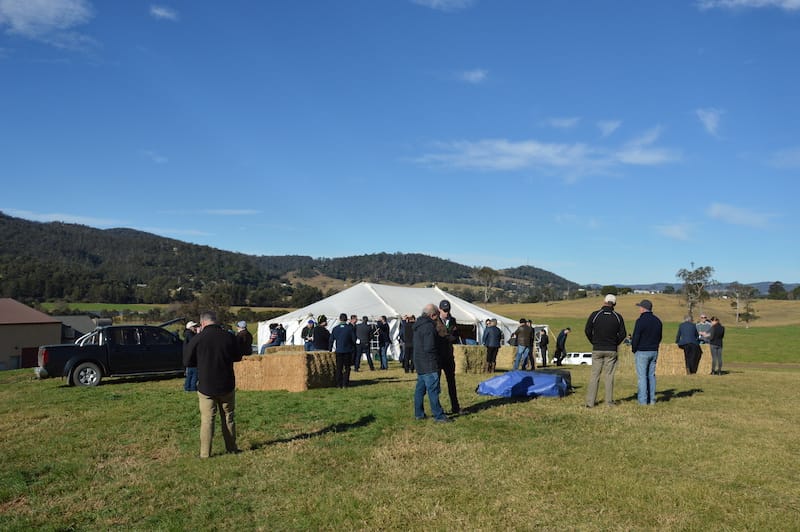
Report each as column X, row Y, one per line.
column 427, row 349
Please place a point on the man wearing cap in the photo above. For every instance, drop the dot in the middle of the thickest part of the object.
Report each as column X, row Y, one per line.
column 644, row 343
column 363, row 337
column 190, row 382
column 307, row 334
column 524, row 335
column 688, row 339
column 343, row 337
column 703, row 326
column 605, row 330
column 447, row 329
column 244, row 339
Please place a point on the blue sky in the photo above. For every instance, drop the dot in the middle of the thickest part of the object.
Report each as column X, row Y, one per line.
column 605, row 141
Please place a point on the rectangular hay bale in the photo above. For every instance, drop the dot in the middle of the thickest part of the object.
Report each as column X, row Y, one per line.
column 290, row 370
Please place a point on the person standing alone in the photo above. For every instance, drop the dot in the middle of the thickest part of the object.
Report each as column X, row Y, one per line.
column 605, row 330
column 492, row 336
column 544, row 341
column 214, row 350
column 647, row 332
column 561, row 346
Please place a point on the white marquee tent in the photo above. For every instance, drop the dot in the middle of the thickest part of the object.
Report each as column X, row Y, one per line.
column 376, row 300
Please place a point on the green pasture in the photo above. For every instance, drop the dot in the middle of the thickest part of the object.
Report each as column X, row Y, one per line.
column 715, row 453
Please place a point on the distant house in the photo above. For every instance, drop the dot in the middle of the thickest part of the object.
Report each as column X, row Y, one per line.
column 22, row 331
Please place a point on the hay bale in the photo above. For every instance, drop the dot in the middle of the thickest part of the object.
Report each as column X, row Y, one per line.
column 285, row 349
column 505, row 357
column 291, row 369
column 469, row 358
column 670, row 360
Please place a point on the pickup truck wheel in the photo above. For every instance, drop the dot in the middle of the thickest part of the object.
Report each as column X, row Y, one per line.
column 86, row 374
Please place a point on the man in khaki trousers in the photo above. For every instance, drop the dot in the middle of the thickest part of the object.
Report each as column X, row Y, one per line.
column 213, row 351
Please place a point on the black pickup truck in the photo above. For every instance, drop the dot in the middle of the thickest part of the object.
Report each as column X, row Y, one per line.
column 113, row 351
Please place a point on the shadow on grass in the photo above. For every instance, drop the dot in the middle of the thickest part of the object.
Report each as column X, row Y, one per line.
column 368, row 382
column 111, row 381
column 668, row 395
column 338, row 427
column 493, row 403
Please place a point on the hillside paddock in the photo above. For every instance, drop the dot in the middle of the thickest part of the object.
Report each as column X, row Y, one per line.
column 716, row 452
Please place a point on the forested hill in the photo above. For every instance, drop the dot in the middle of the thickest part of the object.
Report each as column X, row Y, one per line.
column 69, row 262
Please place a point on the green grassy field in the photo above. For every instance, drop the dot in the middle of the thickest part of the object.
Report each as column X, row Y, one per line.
column 715, row 453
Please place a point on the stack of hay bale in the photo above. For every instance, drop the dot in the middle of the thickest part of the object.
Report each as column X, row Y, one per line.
column 290, row 369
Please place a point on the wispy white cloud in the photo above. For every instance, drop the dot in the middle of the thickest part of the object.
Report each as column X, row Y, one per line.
column 475, row 76
column 786, row 5
column 607, row 127
column 640, row 150
column 48, row 21
column 710, row 118
column 571, row 160
column 788, row 158
column 155, row 157
column 163, row 13
column 738, row 215
column 445, row 5
column 62, row 217
column 677, row 231
column 563, row 122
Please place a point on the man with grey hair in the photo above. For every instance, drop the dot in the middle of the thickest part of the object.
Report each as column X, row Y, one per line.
column 213, row 351
column 605, row 330
column 426, row 361
column 688, row 339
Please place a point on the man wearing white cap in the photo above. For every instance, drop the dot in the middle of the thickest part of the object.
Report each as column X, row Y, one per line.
column 190, row 382
column 605, row 330
column 244, row 339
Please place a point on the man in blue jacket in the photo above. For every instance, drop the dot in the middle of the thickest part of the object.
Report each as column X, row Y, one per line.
column 688, row 339
column 644, row 344
column 344, row 337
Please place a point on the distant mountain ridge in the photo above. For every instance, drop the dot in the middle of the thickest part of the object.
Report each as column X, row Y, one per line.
column 70, row 262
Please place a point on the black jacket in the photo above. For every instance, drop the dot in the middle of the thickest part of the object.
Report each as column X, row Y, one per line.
column 244, row 339
column 213, row 351
column 344, row 336
column 647, row 333
column 426, row 338
column 605, row 329
column 322, row 338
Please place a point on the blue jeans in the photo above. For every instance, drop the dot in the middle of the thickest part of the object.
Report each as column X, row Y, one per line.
column 522, row 356
column 384, row 357
column 428, row 383
column 308, row 346
column 190, row 382
column 646, row 373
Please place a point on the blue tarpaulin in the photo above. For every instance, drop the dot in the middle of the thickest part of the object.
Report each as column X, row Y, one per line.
column 524, row 384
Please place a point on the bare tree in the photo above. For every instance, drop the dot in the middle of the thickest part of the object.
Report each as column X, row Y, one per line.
column 487, row 275
column 695, row 282
column 743, row 297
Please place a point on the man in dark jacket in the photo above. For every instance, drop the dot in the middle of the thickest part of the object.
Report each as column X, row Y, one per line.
column 426, row 361
column 491, row 339
column 363, row 336
column 688, row 339
column 343, row 337
column 321, row 338
column 646, row 338
column 213, row 351
column 544, row 341
column 384, row 341
column 408, row 344
column 190, row 382
column 524, row 335
column 561, row 346
column 447, row 328
column 605, row 330
column 244, row 339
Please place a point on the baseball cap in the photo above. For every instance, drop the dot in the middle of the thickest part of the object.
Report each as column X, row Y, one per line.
column 242, row 324
column 645, row 304
column 191, row 324
column 444, row 305
column 611, row 298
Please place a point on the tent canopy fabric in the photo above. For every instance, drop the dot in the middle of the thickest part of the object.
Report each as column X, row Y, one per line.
column 376, row 300
column 524, row 384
